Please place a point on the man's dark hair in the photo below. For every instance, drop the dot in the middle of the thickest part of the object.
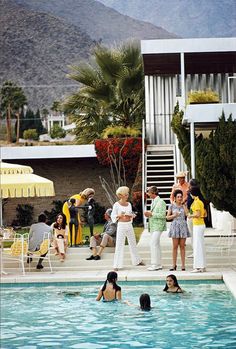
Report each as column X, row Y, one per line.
column 42, row 218
column 153, row 189
column 195, row 191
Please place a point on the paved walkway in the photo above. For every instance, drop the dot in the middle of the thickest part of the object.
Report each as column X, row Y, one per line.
column 227, row 272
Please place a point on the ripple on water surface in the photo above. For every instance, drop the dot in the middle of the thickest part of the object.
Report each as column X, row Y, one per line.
column 203, row 317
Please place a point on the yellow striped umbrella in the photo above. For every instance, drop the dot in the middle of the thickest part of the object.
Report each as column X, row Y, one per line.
column 18, row 181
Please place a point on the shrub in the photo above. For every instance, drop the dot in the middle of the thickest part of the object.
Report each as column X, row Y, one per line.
column 182, row 133
column 24, row 215
column 31, row 134
column 120, row 131
column 51, row 215
column 57, row 132
column 215, row 160
column 98, row 215
column 136, row 195
column 127, row 150
column 203, row 96
column 216, row 164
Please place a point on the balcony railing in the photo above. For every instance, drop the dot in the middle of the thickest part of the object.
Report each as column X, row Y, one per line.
column 208, row 113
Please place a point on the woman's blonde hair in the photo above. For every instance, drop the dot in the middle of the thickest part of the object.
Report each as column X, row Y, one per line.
column 86, row 192
column 122, row 191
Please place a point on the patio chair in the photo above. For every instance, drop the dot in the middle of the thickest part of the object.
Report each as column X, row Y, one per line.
column 225, row 241
column 18, row 250
column 45, row 247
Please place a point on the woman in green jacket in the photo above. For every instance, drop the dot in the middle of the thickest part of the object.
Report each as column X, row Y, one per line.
column 156, row 225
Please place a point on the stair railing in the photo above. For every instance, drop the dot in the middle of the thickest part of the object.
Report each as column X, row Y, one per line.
column 144, row 175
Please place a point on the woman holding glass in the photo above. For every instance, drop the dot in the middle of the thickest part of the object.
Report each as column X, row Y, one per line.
column 123, row 215
column 178, row 228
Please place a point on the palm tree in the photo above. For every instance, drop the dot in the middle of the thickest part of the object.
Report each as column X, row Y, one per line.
column 12, row 101
column 55, row 106
column 111, row 92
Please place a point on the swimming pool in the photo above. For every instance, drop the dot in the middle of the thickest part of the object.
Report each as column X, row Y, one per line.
column 50, row 317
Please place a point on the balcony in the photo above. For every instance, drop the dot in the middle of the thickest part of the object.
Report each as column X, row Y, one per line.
column 207, row 115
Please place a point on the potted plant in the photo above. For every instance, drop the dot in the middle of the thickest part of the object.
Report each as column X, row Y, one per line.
column 203, row 97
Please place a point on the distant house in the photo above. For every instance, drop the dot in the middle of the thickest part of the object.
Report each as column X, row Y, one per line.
column 52, row 119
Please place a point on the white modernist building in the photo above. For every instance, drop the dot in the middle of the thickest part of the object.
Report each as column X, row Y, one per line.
column 173, row 68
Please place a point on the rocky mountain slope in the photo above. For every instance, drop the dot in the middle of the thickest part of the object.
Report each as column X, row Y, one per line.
column 40, row 39
column 186, row 18
column 36, row 50
column 98, row 21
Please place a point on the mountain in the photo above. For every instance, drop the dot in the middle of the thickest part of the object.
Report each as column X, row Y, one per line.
column 101, row 23
column 40, row 39
column 36, row 50
column 186, row 18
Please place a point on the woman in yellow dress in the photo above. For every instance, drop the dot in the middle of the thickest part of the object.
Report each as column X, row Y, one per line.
column 75, row 238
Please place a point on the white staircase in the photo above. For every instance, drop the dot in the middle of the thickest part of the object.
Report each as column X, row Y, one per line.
column 160, row 170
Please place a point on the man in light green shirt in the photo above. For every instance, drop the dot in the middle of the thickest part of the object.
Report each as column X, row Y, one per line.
column 156, row 225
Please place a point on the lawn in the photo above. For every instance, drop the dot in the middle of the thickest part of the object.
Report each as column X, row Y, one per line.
column 98, row 228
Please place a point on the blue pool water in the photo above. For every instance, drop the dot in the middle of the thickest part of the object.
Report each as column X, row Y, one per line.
column 50, row 317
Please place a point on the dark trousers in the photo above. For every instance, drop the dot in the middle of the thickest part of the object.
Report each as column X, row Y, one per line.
column 91, row 224
column 41, row 259
column 71, row 230
column 29, row 259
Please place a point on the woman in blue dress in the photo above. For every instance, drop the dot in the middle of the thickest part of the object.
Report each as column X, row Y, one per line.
column 177, row 212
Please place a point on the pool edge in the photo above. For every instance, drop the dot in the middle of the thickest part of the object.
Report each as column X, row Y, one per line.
column 229, row 279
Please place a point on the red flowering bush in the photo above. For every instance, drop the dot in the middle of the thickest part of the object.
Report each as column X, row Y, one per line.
column 136, row 198
column 113, row 150
column 136, row 194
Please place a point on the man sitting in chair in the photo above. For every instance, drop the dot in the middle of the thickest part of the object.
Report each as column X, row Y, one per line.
column 107, row 238
column 36, row 236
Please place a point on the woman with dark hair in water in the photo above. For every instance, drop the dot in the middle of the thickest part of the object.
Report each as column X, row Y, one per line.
column 110, row 291
column 145, row 302
column 172, row 285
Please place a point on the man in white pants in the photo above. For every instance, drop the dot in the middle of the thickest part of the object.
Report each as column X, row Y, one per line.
column 156, row 225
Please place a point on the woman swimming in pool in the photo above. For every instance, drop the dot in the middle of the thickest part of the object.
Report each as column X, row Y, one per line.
column 172, row 285
column 110, row 291
column 145, row 302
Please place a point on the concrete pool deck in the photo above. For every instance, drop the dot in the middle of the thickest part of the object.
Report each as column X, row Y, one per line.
column 77, row 269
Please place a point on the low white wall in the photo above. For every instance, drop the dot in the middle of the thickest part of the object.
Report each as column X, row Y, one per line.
column 221, row 218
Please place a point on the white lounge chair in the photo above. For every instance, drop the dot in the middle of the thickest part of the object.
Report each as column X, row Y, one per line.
column 45, row 247
column 18, row 250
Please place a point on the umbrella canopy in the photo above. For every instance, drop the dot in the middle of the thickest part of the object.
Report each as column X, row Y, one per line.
column 17, row 181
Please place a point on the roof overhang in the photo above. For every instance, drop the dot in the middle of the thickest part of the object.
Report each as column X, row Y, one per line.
column 48, row 152
column 214, row 55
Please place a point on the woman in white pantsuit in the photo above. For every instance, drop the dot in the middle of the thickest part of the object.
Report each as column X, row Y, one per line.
column 197, row 213
column 122, row 214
